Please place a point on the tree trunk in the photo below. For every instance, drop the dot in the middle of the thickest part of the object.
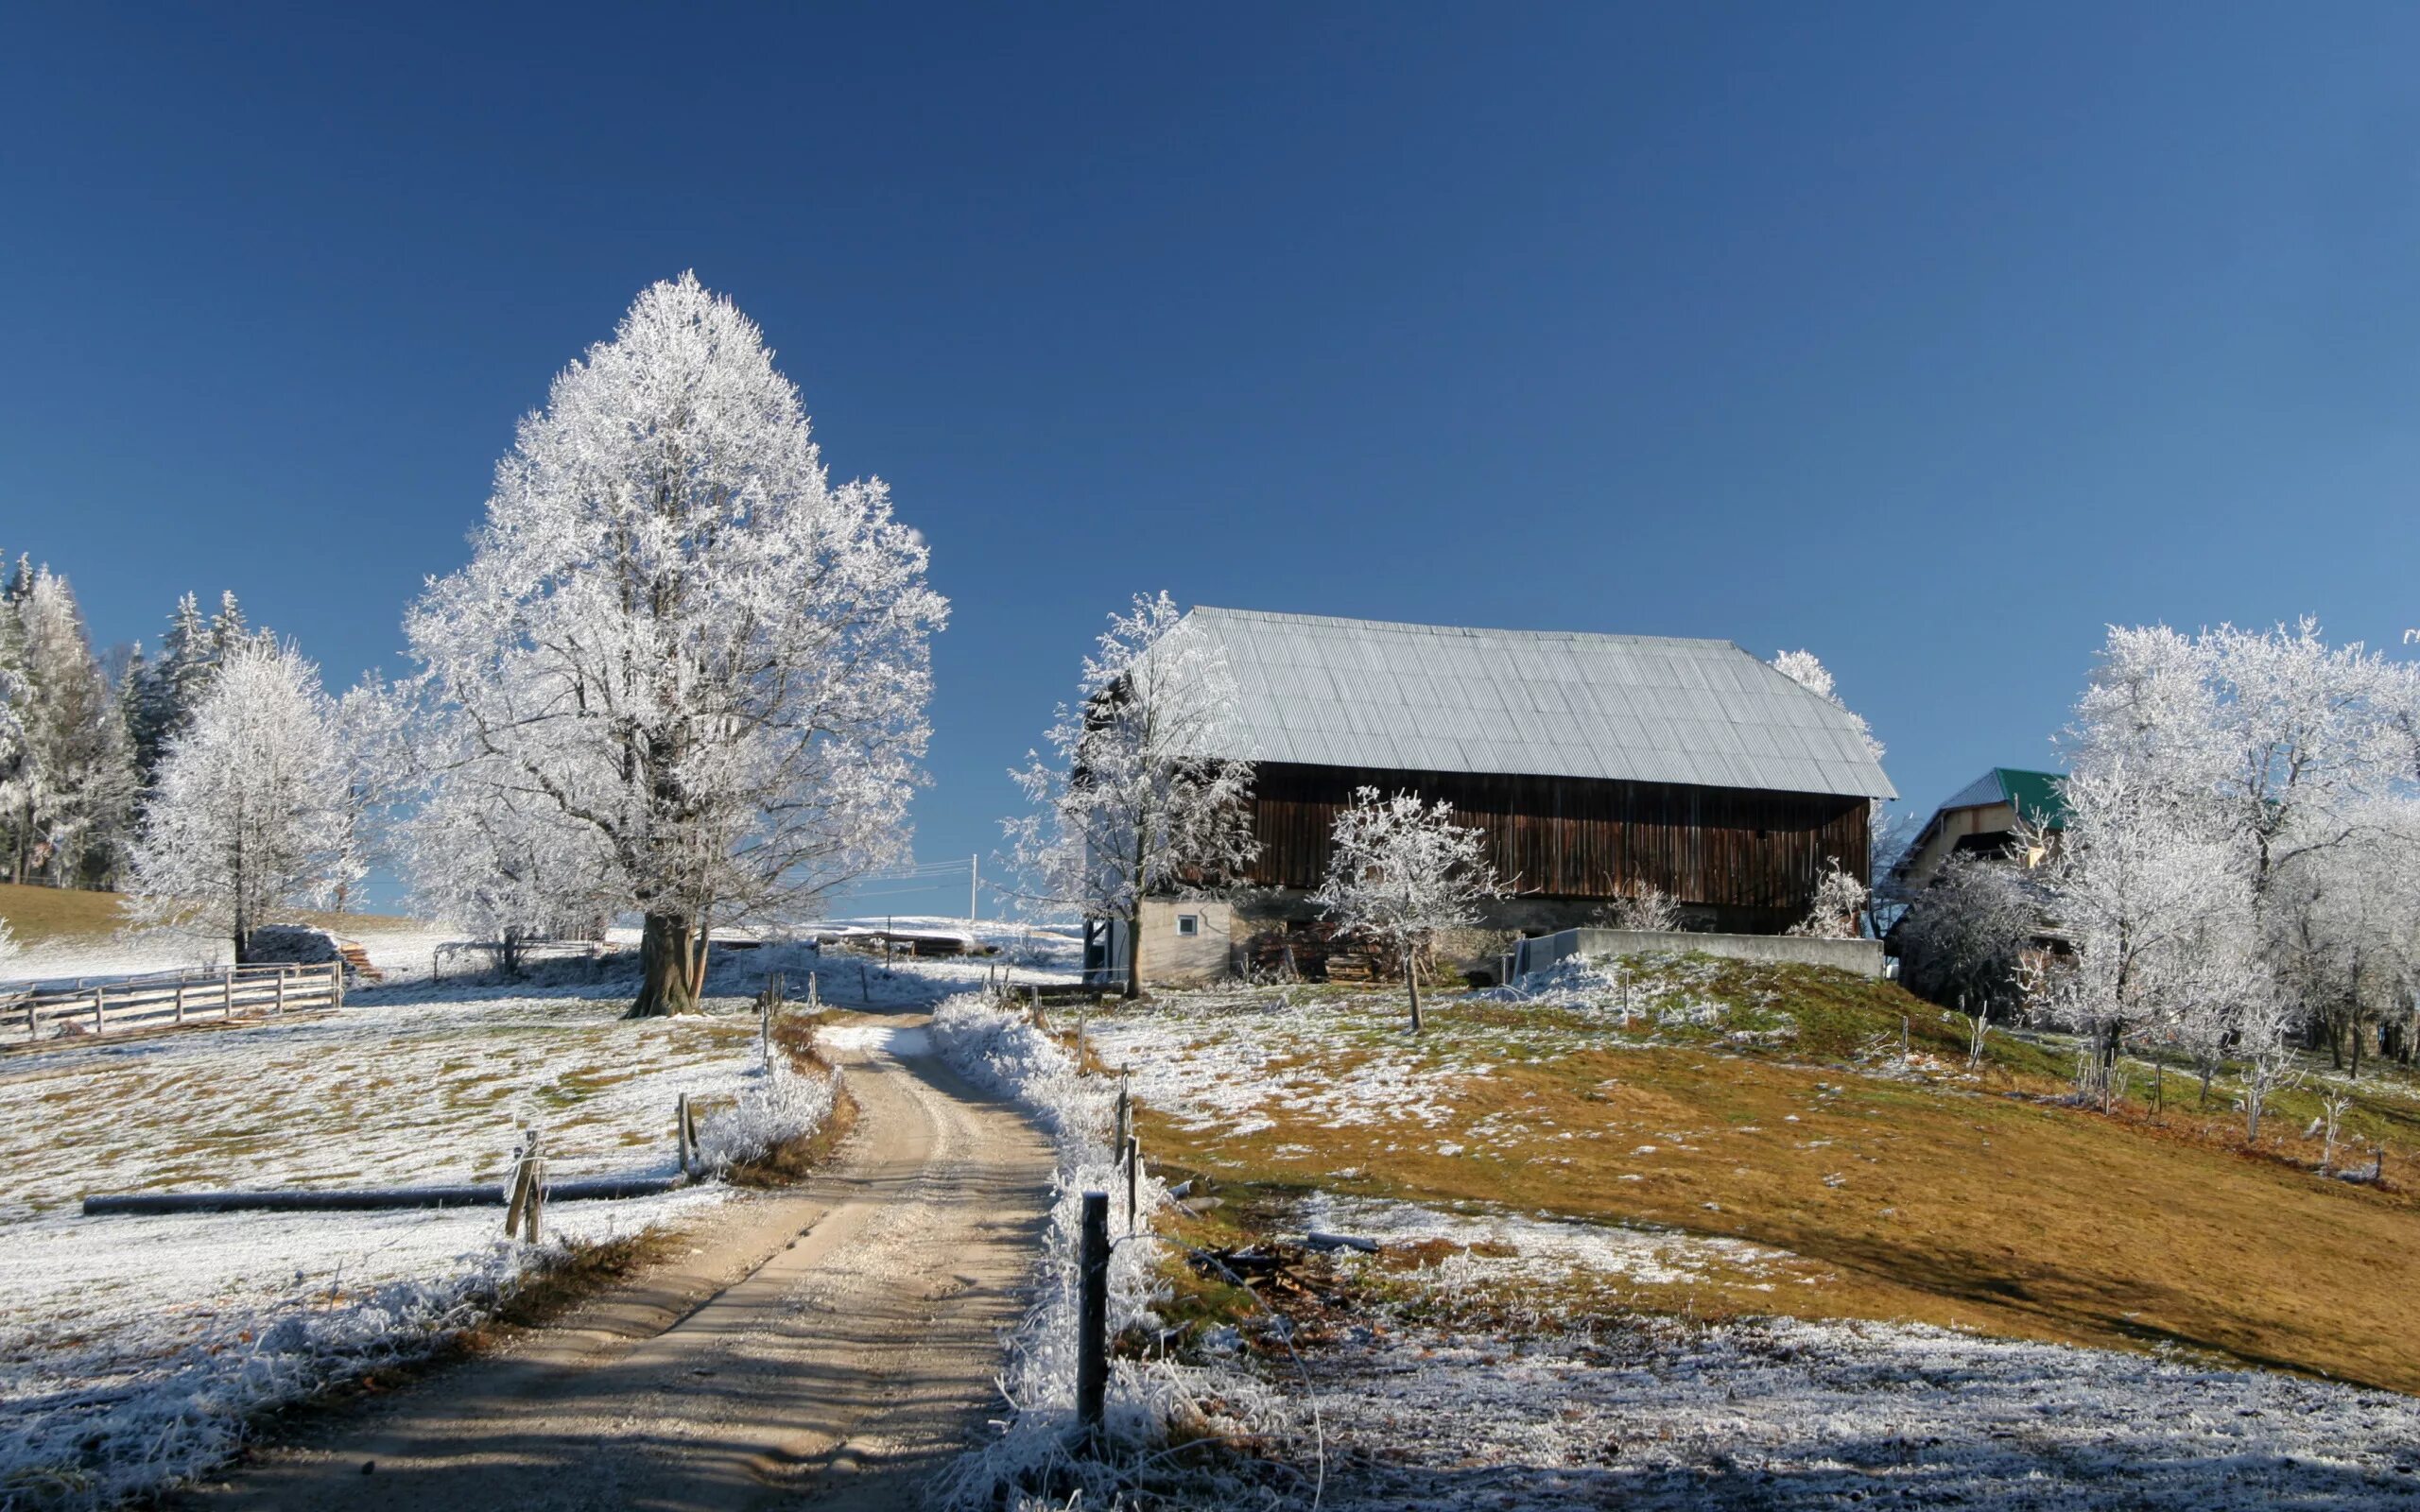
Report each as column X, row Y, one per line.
column 668, row 961
column 1412, row 984
column 1135, row 952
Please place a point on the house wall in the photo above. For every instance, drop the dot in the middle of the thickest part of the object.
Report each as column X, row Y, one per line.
column 1740, row 859
column 1173, row 959
column 1952, row 827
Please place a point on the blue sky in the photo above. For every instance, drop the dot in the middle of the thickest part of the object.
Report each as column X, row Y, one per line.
column 1931, row 338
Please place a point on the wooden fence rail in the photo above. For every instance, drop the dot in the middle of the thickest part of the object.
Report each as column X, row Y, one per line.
column 128, row 1004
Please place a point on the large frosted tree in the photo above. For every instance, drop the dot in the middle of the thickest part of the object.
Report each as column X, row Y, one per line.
column 678, row 638
column 247, row 816
column 1142, row 794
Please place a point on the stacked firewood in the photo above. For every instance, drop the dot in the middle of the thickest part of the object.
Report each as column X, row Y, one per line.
column 1315, row 951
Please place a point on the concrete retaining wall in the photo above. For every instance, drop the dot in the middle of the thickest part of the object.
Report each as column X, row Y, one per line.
column 1863, row 957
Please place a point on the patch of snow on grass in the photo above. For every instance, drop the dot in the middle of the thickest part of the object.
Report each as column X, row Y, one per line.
column 1545, row 1248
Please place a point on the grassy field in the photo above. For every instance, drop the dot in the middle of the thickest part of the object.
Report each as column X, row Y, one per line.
column 41, row 916
column 1830, row 1122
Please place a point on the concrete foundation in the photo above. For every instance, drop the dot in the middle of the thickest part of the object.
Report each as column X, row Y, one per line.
column 1862, row 956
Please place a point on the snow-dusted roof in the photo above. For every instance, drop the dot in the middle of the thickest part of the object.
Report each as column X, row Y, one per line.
column 1441, row 698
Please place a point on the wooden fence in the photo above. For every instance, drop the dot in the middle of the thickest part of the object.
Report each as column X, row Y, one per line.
column 122, row 1005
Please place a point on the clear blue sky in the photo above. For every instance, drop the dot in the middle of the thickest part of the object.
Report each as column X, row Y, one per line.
column 1931, row 338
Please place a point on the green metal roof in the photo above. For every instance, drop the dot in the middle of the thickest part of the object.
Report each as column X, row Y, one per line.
column 2040, row 797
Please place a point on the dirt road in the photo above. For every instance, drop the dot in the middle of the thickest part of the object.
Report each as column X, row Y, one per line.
column 827, row 1348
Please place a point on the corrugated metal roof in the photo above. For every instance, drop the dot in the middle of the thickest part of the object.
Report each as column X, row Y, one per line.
column 1438, row 697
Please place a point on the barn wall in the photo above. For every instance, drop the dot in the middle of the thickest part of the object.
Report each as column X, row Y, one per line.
column 1727, row 848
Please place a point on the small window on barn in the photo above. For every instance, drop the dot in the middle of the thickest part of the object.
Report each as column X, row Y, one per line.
column 1188, row 926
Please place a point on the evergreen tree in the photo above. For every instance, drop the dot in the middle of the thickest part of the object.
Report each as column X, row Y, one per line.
column 171, row 687
column 71, row 793
column 228, row 631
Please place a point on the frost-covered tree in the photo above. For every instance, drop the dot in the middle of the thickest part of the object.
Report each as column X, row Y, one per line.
column 1839, row 903
column 2248, row 789
column 248, row 814
column 1963, row 941
column 677, row 633
column 1650, row 909
column 1401, row 873
column 1141, row 796
column 506, row 866
column 1886, row 838
column 71, row 787
column 2268, row 1059
column 2304, row 732
column 2148, row 873
column 2341, row 927
column 376, row 727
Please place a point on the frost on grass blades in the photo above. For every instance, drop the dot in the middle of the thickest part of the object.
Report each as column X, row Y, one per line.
column 1781, row 1413
column 778, row 1106
column 93, row 1428
column 1152, row 1402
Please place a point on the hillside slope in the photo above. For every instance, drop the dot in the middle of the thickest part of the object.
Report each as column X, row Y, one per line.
column 1826, row 1130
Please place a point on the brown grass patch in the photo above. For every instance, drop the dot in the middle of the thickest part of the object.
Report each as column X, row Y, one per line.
column 1961, row 1205
column 38, row 916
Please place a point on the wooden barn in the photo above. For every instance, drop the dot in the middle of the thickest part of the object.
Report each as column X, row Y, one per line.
column 1599, row 765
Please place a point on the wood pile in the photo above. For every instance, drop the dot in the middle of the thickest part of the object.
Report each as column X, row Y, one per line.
column 1273, row 1272
column 1320, row 953
column 356, row 961
column 1347, row 966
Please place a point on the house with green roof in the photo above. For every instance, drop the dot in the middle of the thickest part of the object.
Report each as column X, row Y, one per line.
column 1983, row 817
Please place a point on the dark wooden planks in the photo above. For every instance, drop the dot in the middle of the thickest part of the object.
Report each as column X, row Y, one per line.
column 1587, row 837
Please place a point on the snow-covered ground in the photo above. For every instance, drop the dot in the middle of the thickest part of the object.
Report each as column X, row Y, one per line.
column 132, row 1347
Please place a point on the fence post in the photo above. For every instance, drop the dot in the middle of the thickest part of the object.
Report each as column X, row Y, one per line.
column 1134, row 1176
column 683, row 1133
column 280, row 1010
column 98, row 994
column 537, row 1192
column 336, row 984
column 181, row 1000
column 1091, row 1341
column 520, row 1190
column 1124, row 1114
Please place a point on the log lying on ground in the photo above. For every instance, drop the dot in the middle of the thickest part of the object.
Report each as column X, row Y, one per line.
column 370, row 1198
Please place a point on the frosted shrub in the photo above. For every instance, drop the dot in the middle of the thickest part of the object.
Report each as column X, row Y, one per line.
column 778, row 1106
